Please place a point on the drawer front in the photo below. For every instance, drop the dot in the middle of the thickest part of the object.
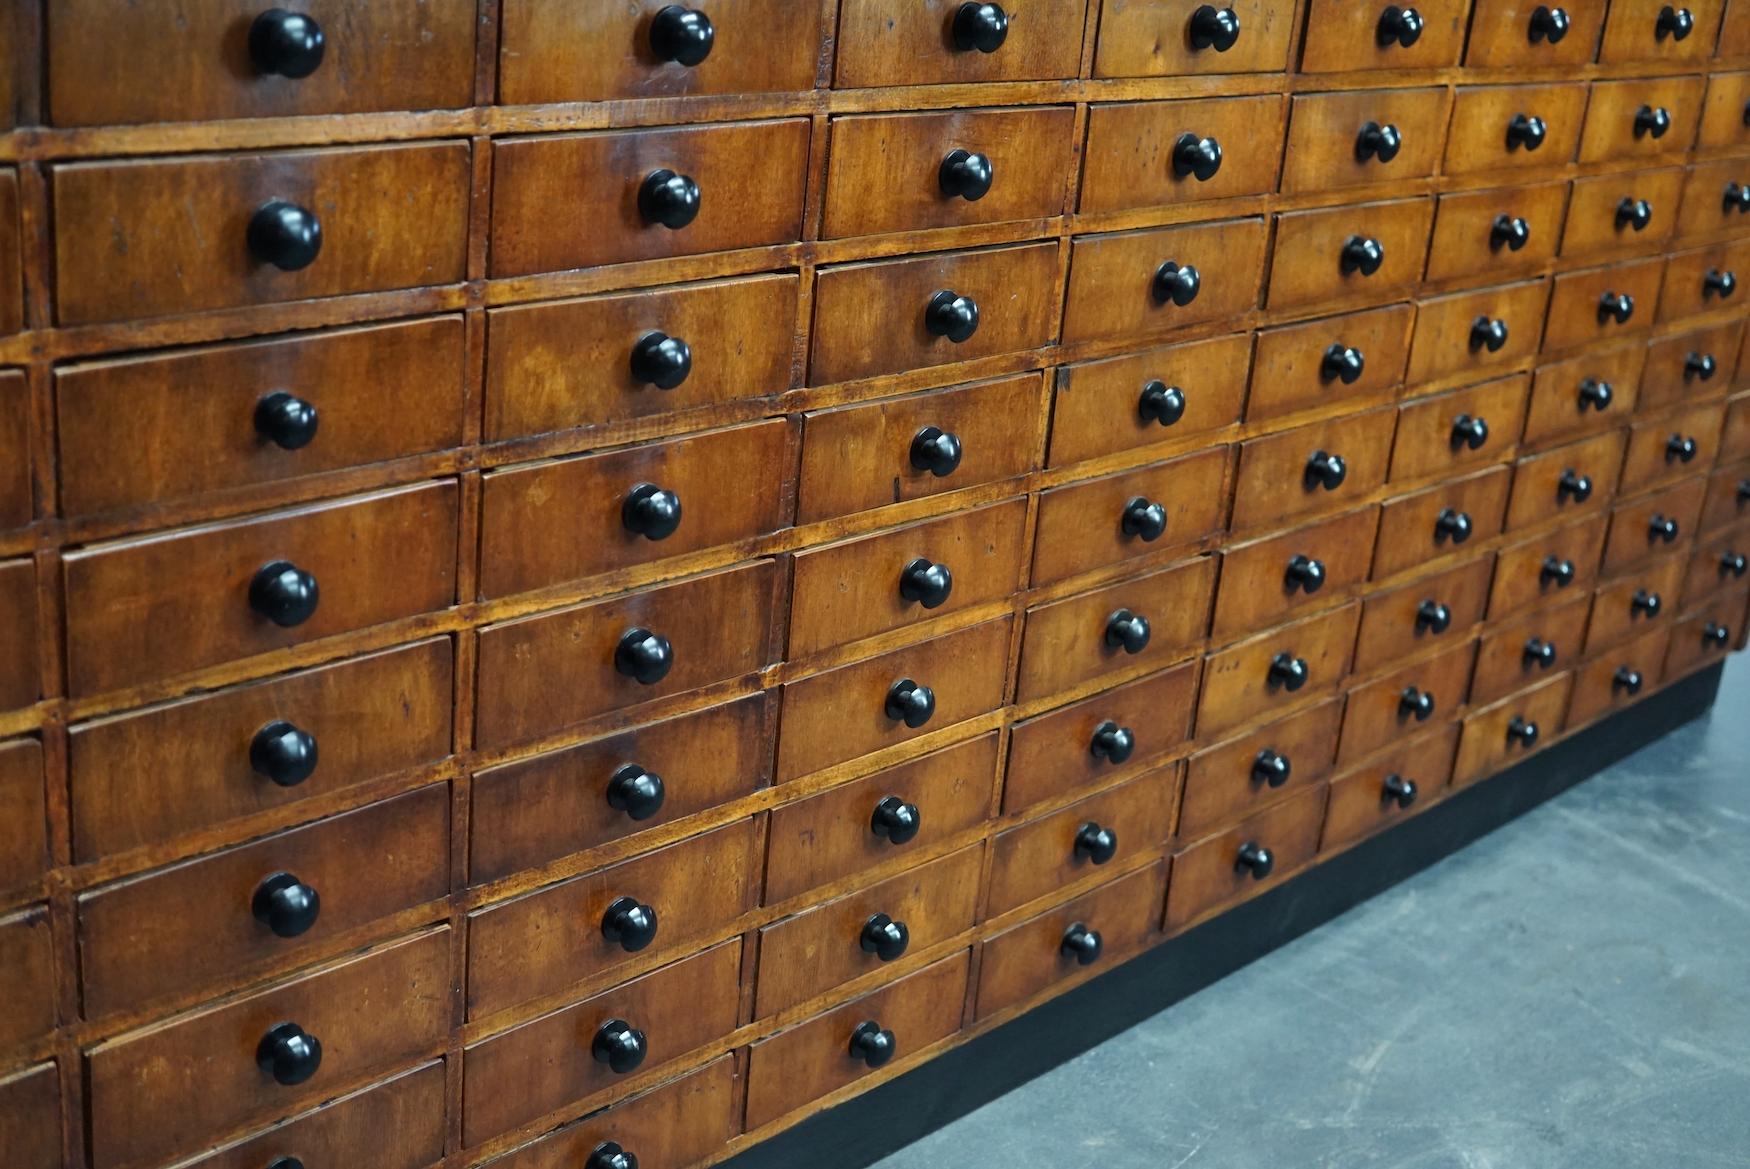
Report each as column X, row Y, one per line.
column 19, row 681
column 1519, row 129
column 1227, row 783
column 858, row 307
column 1644, row 600
column 1728, row 499
column 24, row 845
column 1722, row 115
column 1496, row 234
column 1304, row 367
column 1342, row 254
column 1632, row 212
column 1715, row 566
column 1338, row 140
column 1392, row 707
column 1734, row 32
column 1255, row 678
column 1292, row 474
column 1344, row 37
column 1441, row 521
column 1690, row 365
column 1431, row 611
column 1555, row 564
column 1616, row 127
column 1671, row 446
column 889, row 172
column 900, row 579
column 1568, row 482
column 1265, row 582
column 1512, row 729
column 1136, row 513
column 1130, row 286
column 157, row 606
column 879, row 45
column 1454, row 334
column 573, row 518
column 1398, row 784
column 1133, row 154
column 576, row 363
column 1711, row 198
column 11, row 264
column 1638, row 31
column 547, row 672
column 1455, row 432
column 1598, row 303
column 1507, row 33
column 601, row 178
column 1104, row 407
column 1735, row 434
column 15, row 485
column 1616, row 679
column 1704, row 281
column 533, row 811
column 1530, row 648
column 1211, row 874
column 27, row 979
column 398, row 1124
column 1652, row 524
column 1706, row 635
column 1157, row 38
column 680, row 1123
column 149, row 238
column 552, row 939
column 859, row 457
column 1584, row 394
column 30, row 1117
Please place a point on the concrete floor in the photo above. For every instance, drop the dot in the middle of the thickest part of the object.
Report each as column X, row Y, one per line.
column 1571, row 991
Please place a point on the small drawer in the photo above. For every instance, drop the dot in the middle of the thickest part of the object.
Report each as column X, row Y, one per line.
column 822, row 1055
column 1161, row 153
column 1645, row 118
column 527, row 813
column 397, row 1124
column 1567, row 482
column 27, row 979
column 521, row 1075
column 1689, row 366
column 1451, row 433
column 1507, row 732
column 1398, row 784
column 1642, row 601
column 1173, row 38
column 1427, row 612
column 1704, row 281
column 856, row 458
column 1075, row 747
column 1135, row 513
column 1321, row 363
column 1162, row 395
column 1440, row 521
column 1003, row 300
column 1041, row 857
column 277, row 903
column 1714, row 202
column 1728, row 500
column 1530, row 647
column 1230, row 781
column 1666, row 448
column 24, row 844
column 828, row 945
column 1516, row 33
column 1630, row 212
column 852, row 710
column 865, row 825
column 920, row 44
column 731, row 340
column 30, row 1116
column 1584, row 394
column 1547, row 567
column 171, row 236
column 1134, row 626
column 1735, row 437
column 155, row 606
column 1616, row 679
column 539, row 674
column 1276, row 670
column 1716, row 565
column 1734, row 32
column 159, row 1093
column 1470, row 333
column 11, row 251
column 1596, row 304
column 1520, row 129
column 1653, row 30
column 1266, row 582
column 1137, row 285
column 1722, row 115
column 15, row 485
column 1343, row 36
column 1496, row 234
column 1339, row 140
column 557, row 937
column 1373, row 251
column 1707, row 634
column 1311, row 469
column 1652, row 524
column 897, row 172
column 1247, row 859
column 1400, row 703
column 20, row 684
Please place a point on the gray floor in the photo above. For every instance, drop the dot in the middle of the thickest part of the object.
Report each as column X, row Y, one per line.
column 1573, row 990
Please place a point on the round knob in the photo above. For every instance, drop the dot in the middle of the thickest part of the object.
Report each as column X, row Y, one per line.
column 1452, row 525
column 289, row 1054
column 909, row 703
column 1416, row 704
column 285, row 235
column 1525, row 131
column 668, row 199
column 1718, row 283
column 643, row 656
column 1652, row 120
column 1673, row 22
column 1177, row 283
column 636, row 792
column 895, row 820
column 1738, row 194
column 1680, row 448
column 884, row 937
column 1699, row 367
column 952, row 316
column 1548, row 24
column 1399, row 790
column 980, row 26
column 965, row 175
column 287, row 421
column 1161, row 403
column 1127, row 631
column 1556, row 571
column 1377, row 141
column 1081, row 943
column 1325, row 470
column 285, row 1163
column 872, row 1045
column 1468, row 432
column 1627, row 679
column 1398, row 26
column 1200, row 158
column 1489, row 334
column 1096, row 844
column 1271, row 768
column 1662, row 529
column 284, row 593
column 285, row 905
column 286, row 44
column 935, row 450
column 1433, row 617
column 1305, row 573
column 1214, row 28
column 1522, row 732
column 1143, row 519
column 661, row 361
column 619, row 1045
column 1645, row 604
column 1715, row 636
column 1112, row 743
column 1573, row 485
column 1615, row 306
column 925, row 583
column 1635, row 213
column 609, row 1155
column 1510, row 232
column 1733, row 564
column 1743, row 493
column 1288, row 672
column 681, row 35
column 1361, row 254
column 1540, row 653
column 651, row 512
column 283, row 753
column 1595, row 395
column 629, row 924
column 1342, row 364
column 1255, row 859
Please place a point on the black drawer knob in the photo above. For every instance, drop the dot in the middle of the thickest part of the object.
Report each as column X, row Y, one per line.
column 1111, row 742
column 1548, row 24
column 1615, row 306
column 871, row 1044
column 284, row 753
column 629, row 924
column 1733, row 564
column 1271, row 768
column 285, row 235
column 1325, row 470
column 661, row 360
column 1178, row 283
column 285, row 1163
column 965, row 175
column 286, row 44
column 681, row 35
column 1627, row 679
column 1214, row 28
column 1743, row 493
column 1255, row 859
column 1595, row 395
column 668, row 199
column 926, row 583
column 952, row 316
column 1662, row 529
column 1398, row 26
column 1573, row 486
column 619, row 1045
column 1539, row 653
column 1288, row 672
column 1556, row 571
column 1095, row 844
column 1161, row 403
column 286, row 420
column 1144, row 519
column 1738, row 194
column 1304, row 573
column 1719, row 283
column 1487, row 333
column 289, row 1054
column 1510, row 232
column 910, row 703
column 1378, row 141
column 1522, row 732
column 937, row 451
column 895, row 821
column 1645, row 604
column 1361, row 254
column 1715, row 636
column 1082, row 943
column 636, row 792
column 1680, row 448
column 1198, row 158
column 1654, row 120
column 1433, row 617
column 1699, row 367
column 609, row 1155
column 1469, row 432
column 1399, row 790
column 1127, row 631
column 284, row 593
column 1342, row 364
column 884, row 937
column 1635, row 213
column 643, row 656
column 1453, row 525
column 980, row 26
column 1416, row 704
column 651, row 511
column 285, row 905
column 1676, row 23
column 1525, row 132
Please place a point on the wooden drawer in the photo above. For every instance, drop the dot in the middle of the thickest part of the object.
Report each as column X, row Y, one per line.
column 1671, row 446
column 858, row 307
column 526, row 1073
column 1496, row 234
column 166, row 1091
column 11, row 263
column 1211, row 874
column 1507, row 732
column 1589, row 305
column 30, row 1116
column 566, row 519
column 1690, row 365
column 1704, row 281
column 1253, row 679
column 387, row 57
column 1722, row 114
column 1707, row 634
column 1134, row 159
column 1616, row 127
column 830, row 944
column 1652, row 524
column 1043, row 856
column 1368, row 252
column 27, row 979
column 587, row 362
column 1398, row 784
column 1735, row 435
column 680, row 1123
column 1644, row 600
column 20, row 683
column 1344, row 37
column 900, row 579
column 1454, row 333
column 1630, row 212
column 552, row 939
column 24, row 845
column 1135, row 513
column 1123, row 287
column 821, row 1055
column 1509, row 33
column 527, row 813
column 1440, row 521
column 1449, row 434
column 1232, row 780
column 1279, row 477
column 1077, row 746
column 917, row 45
column 170, row 236
column 277, row 903
column 1426, row 612
column 1156, row 38
column 1728, row 499
column 1617, row 679
column 156, row 606
column 1647, row 30
column 1093, row 634
column 1338, row 140
column 15, row 485
column 860, row 457
column 398, row 1124
column 1554, row 564
column 866, row 825
column 1712, row 199
column 1584, row 394
column 539, row 674
column 1568, row 481
column 553, row 51
column 1734, row 32
column 1517, row 653
column 1497, row 128
column 1303, row 367
column 1124, row 403
column 843, row 713
column 1716, row 565
column 1265, row 582
column 1400, row 703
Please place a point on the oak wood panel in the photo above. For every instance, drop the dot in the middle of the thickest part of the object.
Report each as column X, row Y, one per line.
column 1129, row 161
column 1081, row 526
column 1618, row 611
column 880, row 45
column 1735, row 435
column 1722, row 112
column 394, row 1125
column 1223, row 783
column 1609, row 682
column 1273, row 487
column 1324, row 129
column 1238, row 683
column 27, row 977
column 1695, row 639
column 15, row 485
column 1307, row 265
column 24, row 845
column 1259, row 588
column 1112, row 279
column 1689, row 365
column 1631, row 33
column 1466, row 242
column 1427, row 443
column 1538, row 493
column 1379, row 713
column 1710, row 204
column 19, row 679
column 1611, row 116
column 1521, row 578
column 1728, row 498
column 1596, row 223
column 1392, row 623
column 1500, row 37
column 1343, row 36
column 1207, row 876
column 1503, row 661
column 11, row 33
column 1361, row 803
column 1481, row 140
column 1652, row 459
column 1734, row 32
column 1449, row 342
column 30, row 1116
column 1290, row 371
column 1560, row 404
column 1411, row 529
column 1575, row 313
column 1485, row 746
column 11, row 262
column 1691, row 280
column 1098, row 406
column 1151, row 38
column 1637, row 528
